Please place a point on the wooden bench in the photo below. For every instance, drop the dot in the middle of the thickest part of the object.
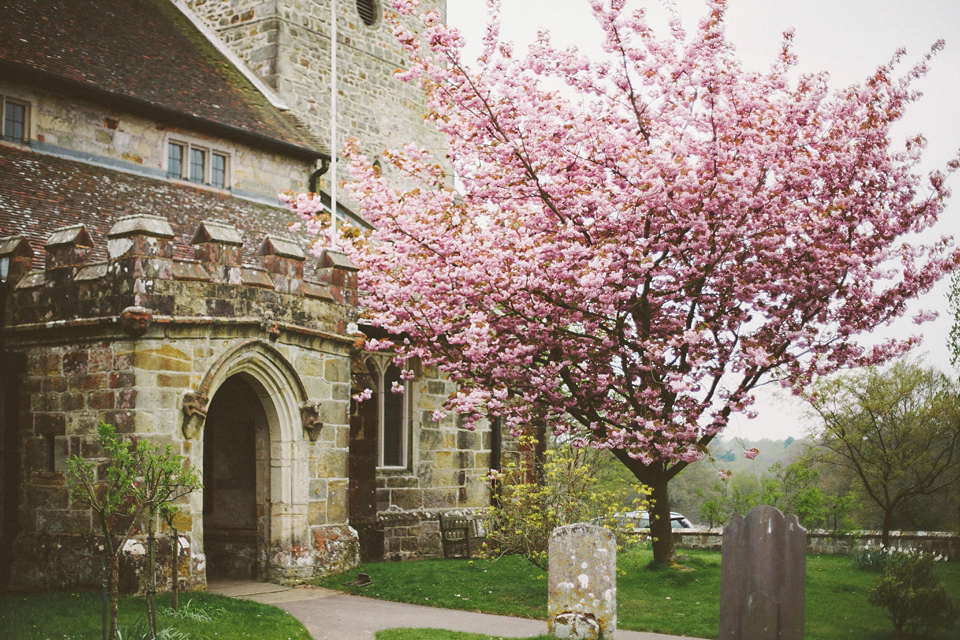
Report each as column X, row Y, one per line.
column 460, row 531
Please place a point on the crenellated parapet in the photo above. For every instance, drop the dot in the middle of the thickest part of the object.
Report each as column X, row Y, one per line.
column 142, row 275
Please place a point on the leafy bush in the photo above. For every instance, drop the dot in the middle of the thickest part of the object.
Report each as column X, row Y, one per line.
column 912, row 594
column 528, row 511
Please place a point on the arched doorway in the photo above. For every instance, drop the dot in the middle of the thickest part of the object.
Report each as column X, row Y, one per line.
column 236, row 464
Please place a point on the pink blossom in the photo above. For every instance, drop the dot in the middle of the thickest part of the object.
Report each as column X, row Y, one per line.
column 631, row 258
column 373, row 344
column 366, row 394
column 751, row 453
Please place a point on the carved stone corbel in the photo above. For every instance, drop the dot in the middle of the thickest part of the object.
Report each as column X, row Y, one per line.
column 194, row 413
column 310, row 416
column 135, row 321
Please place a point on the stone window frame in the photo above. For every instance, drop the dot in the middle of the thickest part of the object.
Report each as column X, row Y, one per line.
column 26, row 105
column 381, row 366
column 189, row 145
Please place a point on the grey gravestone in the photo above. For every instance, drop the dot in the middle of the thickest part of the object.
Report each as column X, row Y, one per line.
column 763, row 577
column 582, row 602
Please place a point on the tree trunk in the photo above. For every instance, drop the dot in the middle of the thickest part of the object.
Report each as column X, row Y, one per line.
column 114, row 592
column 656, row 478
column 661, row 530
column 175, row 568
column 104, row 591
column 887, row 523
column 152, row 580
column 540, row 453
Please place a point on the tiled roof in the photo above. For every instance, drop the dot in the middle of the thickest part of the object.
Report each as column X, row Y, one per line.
column 41, row 193
column 145, row 54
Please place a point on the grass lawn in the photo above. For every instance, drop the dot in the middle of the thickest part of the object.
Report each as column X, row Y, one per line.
column 664, row 601
column 76, row 616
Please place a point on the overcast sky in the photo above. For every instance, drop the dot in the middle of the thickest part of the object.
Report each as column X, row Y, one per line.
column 847, row 38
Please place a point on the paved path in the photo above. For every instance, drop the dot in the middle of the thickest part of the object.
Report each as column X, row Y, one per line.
column 331, row 615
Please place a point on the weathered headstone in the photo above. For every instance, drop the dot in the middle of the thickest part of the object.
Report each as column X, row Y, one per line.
column 582, row 602
column 763, row 577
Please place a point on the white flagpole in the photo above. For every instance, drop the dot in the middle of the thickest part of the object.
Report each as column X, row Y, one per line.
column 333, row 123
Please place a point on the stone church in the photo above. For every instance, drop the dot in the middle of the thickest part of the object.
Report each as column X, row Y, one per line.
column 148, row 279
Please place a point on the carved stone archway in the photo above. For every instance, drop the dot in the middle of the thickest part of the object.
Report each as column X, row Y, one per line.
column 285, row 405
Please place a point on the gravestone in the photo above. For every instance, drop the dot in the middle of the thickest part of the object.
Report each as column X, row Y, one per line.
column 763, row 577
column 582, row 601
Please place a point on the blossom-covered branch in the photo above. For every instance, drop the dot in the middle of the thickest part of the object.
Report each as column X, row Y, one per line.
column 637, row 242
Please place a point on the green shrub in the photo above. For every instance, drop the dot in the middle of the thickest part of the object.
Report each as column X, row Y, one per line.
column 527, row 512
column 915, row 599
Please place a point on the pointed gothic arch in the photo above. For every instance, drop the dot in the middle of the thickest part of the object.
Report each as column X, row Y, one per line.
column 283, row 399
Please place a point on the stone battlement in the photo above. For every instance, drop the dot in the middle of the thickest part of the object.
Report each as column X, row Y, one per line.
column 142, row 274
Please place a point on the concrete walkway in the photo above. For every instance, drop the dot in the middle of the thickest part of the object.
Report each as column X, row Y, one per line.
column 331, row 615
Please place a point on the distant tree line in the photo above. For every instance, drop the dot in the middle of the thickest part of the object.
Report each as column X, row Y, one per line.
column 883, row 454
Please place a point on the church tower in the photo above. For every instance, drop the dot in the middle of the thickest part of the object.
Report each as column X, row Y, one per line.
column 286, row 43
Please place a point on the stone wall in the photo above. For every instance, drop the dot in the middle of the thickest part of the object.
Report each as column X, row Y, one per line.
column 62, row 125
column 830, row 543
column 448, row 470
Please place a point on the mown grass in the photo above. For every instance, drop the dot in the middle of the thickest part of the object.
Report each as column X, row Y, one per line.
column 663, row 601
column 76, row 616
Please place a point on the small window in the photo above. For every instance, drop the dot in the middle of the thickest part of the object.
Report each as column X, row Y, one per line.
column 14, row 121
column 369, row 11
column 394, row 419
column 175, row 160
column 186, row 161
column 392, row 414
column 218, row 170
column 198, row 162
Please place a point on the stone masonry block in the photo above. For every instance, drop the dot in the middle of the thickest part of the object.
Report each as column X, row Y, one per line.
column 331, row 464
column 82, row 423
column 75, row 363
column 431, row 439
column 308, row 364
column 318, row 489
column 45, row 364
column 317, row 512
column 51, row 384
column 89, row 382
column 53, row 424
column 175, row 380
column 337, row 370
column 102, row 400
column 162, row 358
column 120, row 379
column 337, row 501
column 407, row 498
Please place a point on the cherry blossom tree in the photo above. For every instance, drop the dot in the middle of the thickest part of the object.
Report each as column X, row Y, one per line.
column 635, row 243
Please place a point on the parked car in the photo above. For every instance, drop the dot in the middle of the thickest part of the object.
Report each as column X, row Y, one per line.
column 641, row 520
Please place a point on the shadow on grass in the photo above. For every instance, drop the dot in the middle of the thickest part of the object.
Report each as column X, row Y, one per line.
column 76, row 616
